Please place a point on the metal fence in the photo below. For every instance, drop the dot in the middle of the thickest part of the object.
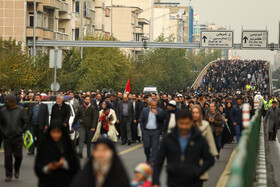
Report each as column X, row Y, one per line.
column 244, row 164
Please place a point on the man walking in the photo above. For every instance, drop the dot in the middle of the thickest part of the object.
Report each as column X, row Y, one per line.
column 215, row 120
column 13, row 123
column 236, row 117
column 87, row 116
column 184, row 147
column 61, row 111
column 272, row 116
column 73, row 101
column 150, row 121
column 134, row 123
column 125, row 116
column 38, row 115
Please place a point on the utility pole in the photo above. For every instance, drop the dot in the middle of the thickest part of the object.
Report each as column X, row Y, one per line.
column 82, row 26
column 111, row 18
column 134, row 55
column 34, row 30
column 182, row 33
column 151, row 28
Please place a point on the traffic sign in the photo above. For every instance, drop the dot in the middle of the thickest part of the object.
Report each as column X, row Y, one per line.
column 254, row 39
column 216, row 39
column 55, row 58
column 55, row 86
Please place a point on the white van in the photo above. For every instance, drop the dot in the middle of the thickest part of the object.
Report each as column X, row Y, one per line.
column 150, row 89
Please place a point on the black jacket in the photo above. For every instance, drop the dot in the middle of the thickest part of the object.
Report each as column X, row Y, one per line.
column 116, row 177
column 119, row 111
column 87, row 117
column 49, row 151
column 183, row 169
column 236, row 115
column 43, row 117
column 13, row 122
column 139, row 109
column 62, row 114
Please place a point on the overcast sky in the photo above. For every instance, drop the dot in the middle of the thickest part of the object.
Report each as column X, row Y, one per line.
column 252, row 14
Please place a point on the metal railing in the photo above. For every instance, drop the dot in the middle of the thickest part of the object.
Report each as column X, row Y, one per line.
column 243, row 166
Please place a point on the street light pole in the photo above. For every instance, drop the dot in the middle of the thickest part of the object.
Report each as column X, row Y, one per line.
column 111, row 18
column 82, row 26
column 34, row 29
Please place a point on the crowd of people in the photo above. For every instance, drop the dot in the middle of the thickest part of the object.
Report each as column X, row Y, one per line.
column 160, row 121
column 188, row 129
column 232, row 75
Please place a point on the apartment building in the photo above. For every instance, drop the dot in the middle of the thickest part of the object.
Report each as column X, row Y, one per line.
column 87, row 9
column 55, row 20
column 146, row 15
column 174, row 20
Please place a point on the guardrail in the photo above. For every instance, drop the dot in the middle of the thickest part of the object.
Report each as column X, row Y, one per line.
column 201, row 74
column 244, row 164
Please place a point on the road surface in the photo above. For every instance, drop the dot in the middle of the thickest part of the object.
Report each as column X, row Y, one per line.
column 130, row 155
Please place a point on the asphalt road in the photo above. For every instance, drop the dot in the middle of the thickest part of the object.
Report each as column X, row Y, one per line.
column 130, row 155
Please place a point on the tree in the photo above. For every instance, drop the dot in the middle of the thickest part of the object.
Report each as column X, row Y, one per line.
column 104, row 68
column 17, row 70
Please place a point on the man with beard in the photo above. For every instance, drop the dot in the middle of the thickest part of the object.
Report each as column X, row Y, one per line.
column 163, row 102
column 38, row 115
column 13, row 123
column 87, row 116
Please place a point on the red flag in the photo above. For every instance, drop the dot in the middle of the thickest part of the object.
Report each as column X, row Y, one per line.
column 127, row 88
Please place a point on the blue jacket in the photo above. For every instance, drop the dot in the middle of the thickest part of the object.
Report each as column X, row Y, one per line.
column 236, row 115
column 145, row 116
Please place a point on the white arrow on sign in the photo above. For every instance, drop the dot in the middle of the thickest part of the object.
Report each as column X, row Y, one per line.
column 216, row 39
column 254, row 39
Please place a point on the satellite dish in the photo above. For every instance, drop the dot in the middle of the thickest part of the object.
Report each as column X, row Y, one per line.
column 111, row 91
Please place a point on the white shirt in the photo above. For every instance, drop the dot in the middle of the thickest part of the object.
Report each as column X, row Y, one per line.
column 172, row 122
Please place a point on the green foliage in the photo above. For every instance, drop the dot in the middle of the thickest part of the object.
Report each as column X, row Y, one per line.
column 17, row 70
column 168, row 69
column 105, row 68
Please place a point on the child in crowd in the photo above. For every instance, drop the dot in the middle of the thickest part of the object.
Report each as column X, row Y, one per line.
column 142, row 175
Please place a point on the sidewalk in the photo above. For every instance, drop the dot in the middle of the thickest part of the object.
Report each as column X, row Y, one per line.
column 273, row 160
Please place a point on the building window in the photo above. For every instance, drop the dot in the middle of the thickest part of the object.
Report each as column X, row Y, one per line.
column 31, row 19
column 85, row 9
column 73, row 34
column 77, row 33
column 137, row 37
column 77, row 7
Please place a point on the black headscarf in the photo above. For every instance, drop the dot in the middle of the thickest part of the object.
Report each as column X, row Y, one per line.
column 51, row 151
column 117, row 176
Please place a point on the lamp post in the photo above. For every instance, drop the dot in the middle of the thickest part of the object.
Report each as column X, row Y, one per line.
column 82, row 26
column 34, row 29
column 111, row 18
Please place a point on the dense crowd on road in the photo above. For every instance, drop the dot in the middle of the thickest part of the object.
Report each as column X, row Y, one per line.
column 183, row 131
column 231, row 75
column 175, row 127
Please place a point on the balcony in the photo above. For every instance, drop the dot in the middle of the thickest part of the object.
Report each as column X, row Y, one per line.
column 64, row 7
column 49, row 3
column 41, row 33
column 48, row 34
column 143, row 21
column 60, row 36
column 32, row 1
column 65, row 16
column 138, row 30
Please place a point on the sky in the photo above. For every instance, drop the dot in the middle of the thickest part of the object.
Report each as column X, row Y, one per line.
column 251, row 14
